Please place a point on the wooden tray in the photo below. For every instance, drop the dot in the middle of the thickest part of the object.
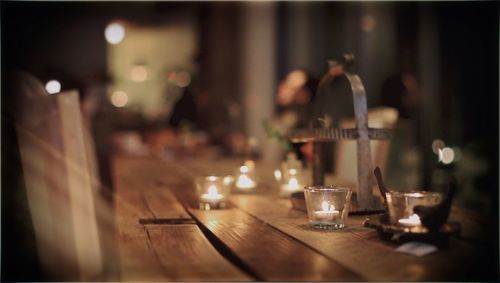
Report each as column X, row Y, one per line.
column 397, row 234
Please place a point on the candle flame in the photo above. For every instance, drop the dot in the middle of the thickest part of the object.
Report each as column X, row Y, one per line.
column 327, row 207
column 324, row 205
column 244, row 169
column 292, row 172
column 244, row 182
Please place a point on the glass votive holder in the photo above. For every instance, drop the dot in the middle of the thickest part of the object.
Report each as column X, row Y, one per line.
column 245, row 180
column 291, row 182
column 327, row 206
column 401, row 204
column 213, row 191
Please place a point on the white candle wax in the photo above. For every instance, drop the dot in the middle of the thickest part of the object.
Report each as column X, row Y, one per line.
column 212, row 195
column 244, row 182
column 411, row 221
column 293, row 185
column 328, row 212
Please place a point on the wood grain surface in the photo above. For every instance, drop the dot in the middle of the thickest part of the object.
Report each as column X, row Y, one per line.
column 359, row 248
column 265, row 252
column 262, row 235
column 178, row 252
column 272, row 255
column 137, row 259
column 173, row 252
column 186, row 255
column 141, row 198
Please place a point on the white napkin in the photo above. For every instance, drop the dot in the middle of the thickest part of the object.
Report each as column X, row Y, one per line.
column 417, row 248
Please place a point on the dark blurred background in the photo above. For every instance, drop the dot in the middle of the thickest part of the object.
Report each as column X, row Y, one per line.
column 214, row 68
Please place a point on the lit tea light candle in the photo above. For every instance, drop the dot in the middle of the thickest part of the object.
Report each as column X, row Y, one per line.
column 293, row 185
column 244, row 181
column 213, row 191
column 328, row 212
column 212, row 194
column 411, row 221
column 327, row 206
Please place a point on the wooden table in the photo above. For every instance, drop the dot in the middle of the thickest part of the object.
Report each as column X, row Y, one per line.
column 162, row 236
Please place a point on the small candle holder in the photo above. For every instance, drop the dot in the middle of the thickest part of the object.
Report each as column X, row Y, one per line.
column 327, row 206
column 213, row 191
column 246, row 180
column 291, row 182
column 401, row 204
column 291, row 177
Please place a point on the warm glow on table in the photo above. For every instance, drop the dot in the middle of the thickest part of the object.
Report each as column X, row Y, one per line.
column 328, row 211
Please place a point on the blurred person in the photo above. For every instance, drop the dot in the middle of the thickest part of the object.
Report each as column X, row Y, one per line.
column 295, row 93
column 184, row 110
column 178, row 132
column 400, row 91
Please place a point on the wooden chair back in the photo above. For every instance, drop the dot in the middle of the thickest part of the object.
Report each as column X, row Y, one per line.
column 58, row 181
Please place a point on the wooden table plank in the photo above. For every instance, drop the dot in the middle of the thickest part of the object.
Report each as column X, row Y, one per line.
column 137, row 259
column 358, row 248
column 272, row 255
column 268, row 253
column 165, row 207
column 139, row 196
column 186, row 255
column 174, row 252
column 178, row 252
column 251, row 239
